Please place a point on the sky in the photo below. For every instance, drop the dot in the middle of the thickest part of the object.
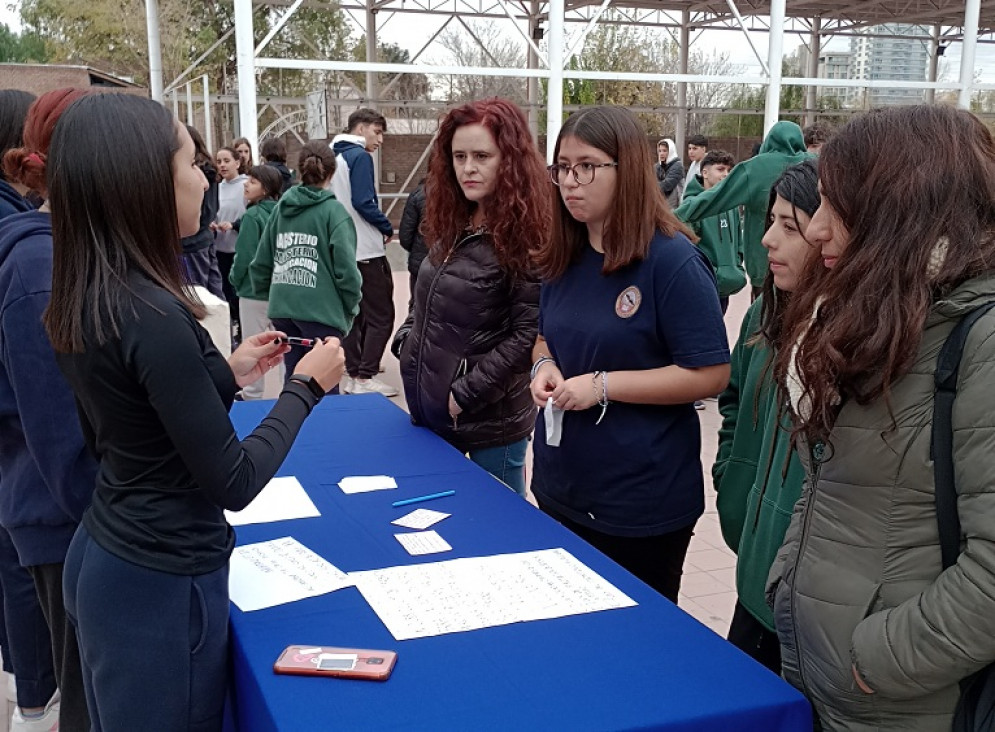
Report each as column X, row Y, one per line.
column 414, row 29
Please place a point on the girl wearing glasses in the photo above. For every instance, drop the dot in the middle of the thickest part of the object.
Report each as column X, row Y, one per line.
column 630, row 335
column 465, row 348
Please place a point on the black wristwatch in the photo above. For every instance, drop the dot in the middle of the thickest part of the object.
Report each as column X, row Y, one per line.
column 311, row 383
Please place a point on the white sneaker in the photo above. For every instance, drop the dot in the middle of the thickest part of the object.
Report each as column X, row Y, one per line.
column 346, row 385
column 48, row 722
column 373, row 385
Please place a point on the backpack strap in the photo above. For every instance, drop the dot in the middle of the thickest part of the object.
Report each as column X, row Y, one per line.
column 942, row 436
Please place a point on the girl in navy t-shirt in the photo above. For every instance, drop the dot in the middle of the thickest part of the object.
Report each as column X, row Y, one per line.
column 630, row 335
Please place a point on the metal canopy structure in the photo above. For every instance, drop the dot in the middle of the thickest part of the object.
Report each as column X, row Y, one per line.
column 563, row 26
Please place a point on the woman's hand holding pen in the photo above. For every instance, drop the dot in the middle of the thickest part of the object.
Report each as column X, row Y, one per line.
column 257, row 355
column 325, row 362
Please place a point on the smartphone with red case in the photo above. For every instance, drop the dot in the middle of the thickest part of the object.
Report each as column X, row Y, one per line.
column 345, row 663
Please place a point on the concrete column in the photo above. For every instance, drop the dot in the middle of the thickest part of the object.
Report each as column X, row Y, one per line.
column 815, row 45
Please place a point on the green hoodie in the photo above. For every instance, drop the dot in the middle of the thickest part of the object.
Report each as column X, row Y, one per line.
column 249, row 233
column 307, row 260
column 757, row 473
column 749, row 185
column 719, row 240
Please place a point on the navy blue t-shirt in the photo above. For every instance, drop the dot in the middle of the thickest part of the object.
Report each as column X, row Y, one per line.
column 638, row 473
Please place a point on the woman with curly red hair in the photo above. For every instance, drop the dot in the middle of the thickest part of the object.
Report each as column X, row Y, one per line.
column 465, row 348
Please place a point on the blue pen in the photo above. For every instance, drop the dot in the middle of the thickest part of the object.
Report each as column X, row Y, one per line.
column 419, row 499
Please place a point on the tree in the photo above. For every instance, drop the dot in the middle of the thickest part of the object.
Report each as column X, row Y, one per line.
column 26, row 48
column 493, row 49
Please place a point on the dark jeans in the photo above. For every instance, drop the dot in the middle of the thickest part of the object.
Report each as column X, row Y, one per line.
column 29, row 648
column 201, row 268
column 73, row 715
column 225, row 261
column 373, row 327
column 750, row 636
column 303, row 329
column 724, row 304
column 154, row 645
column 656, row 560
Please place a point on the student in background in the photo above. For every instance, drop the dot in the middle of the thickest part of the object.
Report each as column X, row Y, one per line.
column 243, row 154
column 748, row 185
column 146, row 577
column 630, row 335
column 467, row 342
column 273, row 151
column 355, row 188
column 816, row 136
column 262, row 190
column 719, row 234
column 669, row 172
column 231, row 206
column 757, row 473
column 697, row 149
column 306, row 258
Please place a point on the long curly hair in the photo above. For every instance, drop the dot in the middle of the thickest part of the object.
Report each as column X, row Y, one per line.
column 914, row 190
column 518, row 213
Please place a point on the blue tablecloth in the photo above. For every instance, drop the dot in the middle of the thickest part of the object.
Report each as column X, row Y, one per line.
column 647, row 667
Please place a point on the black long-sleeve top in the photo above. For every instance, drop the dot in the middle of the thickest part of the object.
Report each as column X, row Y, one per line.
column 154, row 409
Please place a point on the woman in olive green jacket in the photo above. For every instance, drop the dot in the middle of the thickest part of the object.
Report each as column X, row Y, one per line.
column 873, row 630
column 757, row 473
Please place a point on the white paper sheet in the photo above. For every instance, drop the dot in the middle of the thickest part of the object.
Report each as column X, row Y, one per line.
column 281, row 499
column 420, row 518
column 280, row 571
column 423, row 542
column 467, row 594
column 367, row 483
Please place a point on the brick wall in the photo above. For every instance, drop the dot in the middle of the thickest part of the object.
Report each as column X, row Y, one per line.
column 39, row 79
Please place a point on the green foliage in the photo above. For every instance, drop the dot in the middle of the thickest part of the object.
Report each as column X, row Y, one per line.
column 26, row 48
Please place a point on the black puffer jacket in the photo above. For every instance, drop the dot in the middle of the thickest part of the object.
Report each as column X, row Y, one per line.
column 471, row 332
column 408, row 234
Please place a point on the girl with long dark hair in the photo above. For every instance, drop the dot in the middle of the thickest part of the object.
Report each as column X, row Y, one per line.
column 146, row 576
column 872, row 628
column 468, row 340
column 757, row 474
column 630, row 335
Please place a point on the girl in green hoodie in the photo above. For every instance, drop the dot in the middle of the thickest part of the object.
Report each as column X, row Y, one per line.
column 262, row 191
column 757, row 473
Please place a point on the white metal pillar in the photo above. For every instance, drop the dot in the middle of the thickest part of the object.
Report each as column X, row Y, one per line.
column 155, row 49
column 190, row 104
column 815, row 46
column 934, row 62
column 532, row 62
column 775, row 52
column 972, row 14
column 683, row 51
column 371, row 53
column 554, row 103
column 246, row 68
column 208, row 132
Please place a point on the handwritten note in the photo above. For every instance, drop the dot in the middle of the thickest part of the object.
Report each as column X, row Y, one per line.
column 281, row 499
column 423, row 542
column 467, row 594
column 421, row 518
column 367, row 483
column 280, row 571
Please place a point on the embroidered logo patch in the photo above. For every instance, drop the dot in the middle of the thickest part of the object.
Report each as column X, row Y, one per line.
column 628, row 302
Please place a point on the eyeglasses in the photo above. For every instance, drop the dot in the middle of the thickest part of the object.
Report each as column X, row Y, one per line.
column 583, row 172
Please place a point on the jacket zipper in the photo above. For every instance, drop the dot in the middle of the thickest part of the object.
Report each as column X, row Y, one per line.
column 802, row 541
column 424, row 325
column 460, row 371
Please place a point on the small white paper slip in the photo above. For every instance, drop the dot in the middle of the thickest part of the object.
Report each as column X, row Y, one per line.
column 281, row 499
column 423, row 542
column 421, row 518
column 367, row 483
column 280, row 571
